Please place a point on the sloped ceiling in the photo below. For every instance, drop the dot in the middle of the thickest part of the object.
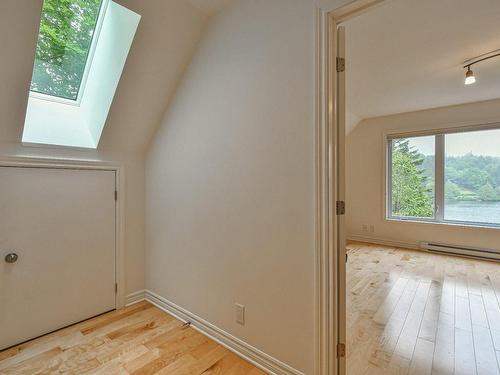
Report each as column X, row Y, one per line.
column 167, row 37
column 19, row 22
column 210, row 7
column 407, row 55
column 165, row 40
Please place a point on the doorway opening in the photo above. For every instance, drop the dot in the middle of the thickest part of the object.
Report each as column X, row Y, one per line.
column 420, row 291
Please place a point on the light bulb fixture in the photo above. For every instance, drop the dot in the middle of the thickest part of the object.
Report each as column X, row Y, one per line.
column 469, row 74
column 469, row 77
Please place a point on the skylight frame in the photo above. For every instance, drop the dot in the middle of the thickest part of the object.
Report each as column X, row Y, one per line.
column 88, row 63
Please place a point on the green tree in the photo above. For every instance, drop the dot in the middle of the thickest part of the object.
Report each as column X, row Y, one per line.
column 475, row 177
column 410, row 196
column 452, row 191
column 64, row 40
column 488, row 193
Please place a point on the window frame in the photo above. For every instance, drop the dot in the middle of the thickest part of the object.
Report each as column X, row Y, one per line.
column 88, row 63
column 439, row 160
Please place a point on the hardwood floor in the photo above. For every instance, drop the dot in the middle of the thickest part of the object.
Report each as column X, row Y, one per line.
column 140, row 339
column 409, row 312
column 417, row 313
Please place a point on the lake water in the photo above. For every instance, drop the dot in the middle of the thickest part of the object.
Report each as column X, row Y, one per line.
column 479, row 212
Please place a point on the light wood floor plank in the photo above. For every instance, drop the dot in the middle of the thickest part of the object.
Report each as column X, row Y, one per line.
column 486, row 361
column 462, row 314
column 421, row 363
column 408, row 337
column 140, row 339
column 430, row 319
column 477, row 311
column 443, row 362
column 465, row 359
column 418, row 313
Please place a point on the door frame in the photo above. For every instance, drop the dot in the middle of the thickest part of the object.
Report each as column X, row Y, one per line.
column 330, row 327
column 118, row 168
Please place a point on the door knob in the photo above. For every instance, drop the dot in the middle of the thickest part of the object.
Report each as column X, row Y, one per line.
column 11, row 258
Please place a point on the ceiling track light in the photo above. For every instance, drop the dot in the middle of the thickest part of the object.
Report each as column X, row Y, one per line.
column 469, row 77
column 469, row 74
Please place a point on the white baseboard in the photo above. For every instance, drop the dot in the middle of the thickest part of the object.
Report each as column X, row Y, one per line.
column 135, row 297
column 381, row 241
column 253, row 355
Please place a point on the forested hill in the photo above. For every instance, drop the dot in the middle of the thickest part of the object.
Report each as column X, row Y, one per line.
column 469, row 177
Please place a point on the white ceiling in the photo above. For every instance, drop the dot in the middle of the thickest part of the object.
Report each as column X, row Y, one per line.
column 407, row 55
column 210, row 7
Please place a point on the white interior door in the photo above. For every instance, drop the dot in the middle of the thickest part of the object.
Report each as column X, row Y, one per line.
column 61, row 225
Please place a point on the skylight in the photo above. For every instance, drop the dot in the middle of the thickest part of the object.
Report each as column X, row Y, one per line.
column 67, row 28
column 80, row 55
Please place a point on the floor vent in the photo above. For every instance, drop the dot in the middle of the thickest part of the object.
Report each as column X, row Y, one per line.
column 461, row 250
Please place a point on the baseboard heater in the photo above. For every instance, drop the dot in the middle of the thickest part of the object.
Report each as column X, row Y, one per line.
column 461, row 250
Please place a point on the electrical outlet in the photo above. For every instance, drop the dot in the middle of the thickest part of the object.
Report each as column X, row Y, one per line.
column 365, row 228
column 240, row 314
column 372, row 228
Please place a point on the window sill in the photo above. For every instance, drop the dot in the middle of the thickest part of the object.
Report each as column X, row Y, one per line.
column 446, row 223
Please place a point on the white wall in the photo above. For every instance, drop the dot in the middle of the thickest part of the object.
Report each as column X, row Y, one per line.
column 365, row 177
column 230, row 180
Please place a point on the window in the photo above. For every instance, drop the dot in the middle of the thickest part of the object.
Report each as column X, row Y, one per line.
column 81, row 52
column 67, row 28
column 450, row 177
column 412, row 177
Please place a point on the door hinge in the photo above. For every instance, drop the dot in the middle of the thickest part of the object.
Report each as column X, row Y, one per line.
column 116, row 195
column 340, row 64
column 340, row 350
column 340, row 208
column 116, row 288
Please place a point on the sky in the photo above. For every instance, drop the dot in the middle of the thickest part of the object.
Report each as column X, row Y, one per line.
column 486, row 143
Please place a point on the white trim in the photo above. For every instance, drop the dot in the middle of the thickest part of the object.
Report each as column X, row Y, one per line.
column 324, row 316
column 253, row 355
column 56, row 147
column 327, row 16
column 93, row 46
column 340, row 140
column 61, row 163
column 385, row 242
column 443, row 128
column 135, row 297
column 354, row 9
column 387, row 177
column 53, row 98
column 461, row 224
column 439, row 177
